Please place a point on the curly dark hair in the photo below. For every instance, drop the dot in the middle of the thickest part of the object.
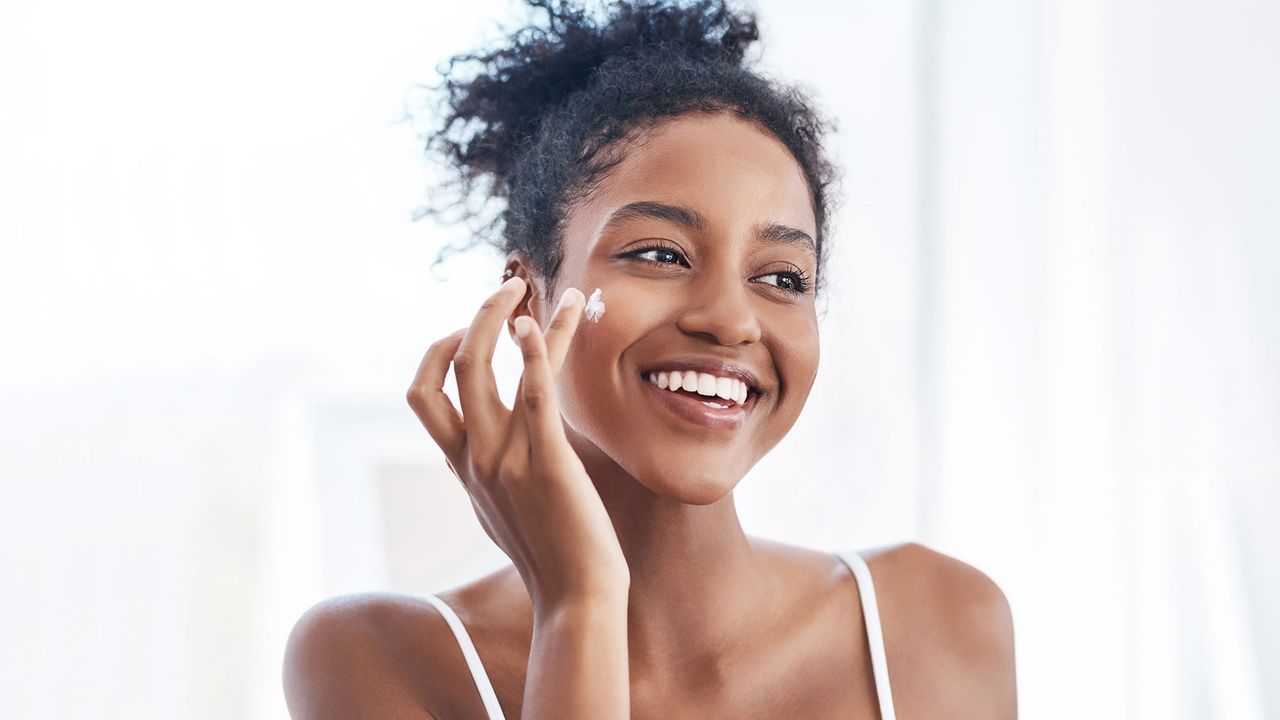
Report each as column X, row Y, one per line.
column 543, row 119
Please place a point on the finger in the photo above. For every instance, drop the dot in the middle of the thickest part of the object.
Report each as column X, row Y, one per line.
column 539, row 401
column 562, row 326
column 564, row 322
column 427, row 397
column 473, row 366
column 517, row 442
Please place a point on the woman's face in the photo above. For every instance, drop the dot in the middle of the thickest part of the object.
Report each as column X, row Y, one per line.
column 735, row 237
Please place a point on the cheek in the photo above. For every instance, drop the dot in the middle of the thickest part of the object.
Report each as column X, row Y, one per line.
column 797, row 360
column 812, row 352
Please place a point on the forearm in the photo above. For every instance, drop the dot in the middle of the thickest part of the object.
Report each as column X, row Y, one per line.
column 578, row 665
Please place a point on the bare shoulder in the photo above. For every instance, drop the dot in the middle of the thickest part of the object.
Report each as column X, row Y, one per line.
column 950, row 590
column 948, row 632
column 367, row 655
column 392, row 655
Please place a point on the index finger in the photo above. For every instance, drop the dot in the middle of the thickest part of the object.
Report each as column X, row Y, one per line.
column 543, row 422
column 563, row 325
column 554, row 344
column 555, row 341
column 473, row 364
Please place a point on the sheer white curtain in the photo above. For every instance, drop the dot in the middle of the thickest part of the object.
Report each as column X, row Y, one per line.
column 1100, row 344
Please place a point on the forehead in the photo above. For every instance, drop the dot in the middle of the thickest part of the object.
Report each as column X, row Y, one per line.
column 733, row 172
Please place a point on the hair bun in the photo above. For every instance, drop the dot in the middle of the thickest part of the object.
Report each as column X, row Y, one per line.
column 491, row 115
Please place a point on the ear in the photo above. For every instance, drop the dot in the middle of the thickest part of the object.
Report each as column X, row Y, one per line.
column 534, row 300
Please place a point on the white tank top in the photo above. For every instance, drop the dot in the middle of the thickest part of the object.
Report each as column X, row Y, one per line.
column 870, row 615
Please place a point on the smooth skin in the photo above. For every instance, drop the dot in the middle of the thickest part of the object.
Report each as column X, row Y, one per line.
column 633, row 589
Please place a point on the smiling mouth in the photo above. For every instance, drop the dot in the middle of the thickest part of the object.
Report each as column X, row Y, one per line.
column 707, row 411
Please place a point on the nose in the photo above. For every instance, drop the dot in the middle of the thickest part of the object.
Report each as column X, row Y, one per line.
column 720, row 310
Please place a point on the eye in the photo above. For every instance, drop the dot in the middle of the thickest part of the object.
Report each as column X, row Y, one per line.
column 660, row 254
column 796, row 283
column 792, row 282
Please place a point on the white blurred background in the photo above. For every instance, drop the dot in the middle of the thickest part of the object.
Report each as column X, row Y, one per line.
column 1051, row 348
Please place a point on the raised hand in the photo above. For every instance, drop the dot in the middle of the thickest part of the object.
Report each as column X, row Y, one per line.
column 527, row 485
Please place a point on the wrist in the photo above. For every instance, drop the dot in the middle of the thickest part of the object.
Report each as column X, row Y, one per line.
column 602, row 607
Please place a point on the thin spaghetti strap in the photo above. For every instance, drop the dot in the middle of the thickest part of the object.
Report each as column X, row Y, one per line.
column 478, row 675
column 875, row 638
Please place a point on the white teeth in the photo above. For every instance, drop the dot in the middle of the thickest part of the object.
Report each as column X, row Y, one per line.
column 702, row 384
column 690, row 381
column 706, row 384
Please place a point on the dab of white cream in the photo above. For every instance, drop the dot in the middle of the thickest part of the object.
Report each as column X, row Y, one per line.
column 594, row 307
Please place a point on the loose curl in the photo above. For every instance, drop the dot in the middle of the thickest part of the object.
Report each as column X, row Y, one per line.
column 538, row 123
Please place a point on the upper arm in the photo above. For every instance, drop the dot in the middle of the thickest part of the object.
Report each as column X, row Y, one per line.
column 981, row 645
column 336, row 665
column 964, row 650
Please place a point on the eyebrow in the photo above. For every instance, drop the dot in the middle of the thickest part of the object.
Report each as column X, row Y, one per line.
column 770, row 233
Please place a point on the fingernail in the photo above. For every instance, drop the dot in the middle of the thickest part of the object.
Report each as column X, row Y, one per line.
column 570, row 294
column 522, row 326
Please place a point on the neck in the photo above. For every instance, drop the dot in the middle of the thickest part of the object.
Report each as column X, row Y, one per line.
column 695, row 575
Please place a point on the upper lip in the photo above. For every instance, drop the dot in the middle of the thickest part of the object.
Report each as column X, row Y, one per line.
column 713, row 366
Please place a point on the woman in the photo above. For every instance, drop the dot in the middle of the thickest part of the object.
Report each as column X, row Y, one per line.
column 638, row 156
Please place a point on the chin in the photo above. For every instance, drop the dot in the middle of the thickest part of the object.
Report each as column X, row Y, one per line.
column 674, row 473
column 690, row 488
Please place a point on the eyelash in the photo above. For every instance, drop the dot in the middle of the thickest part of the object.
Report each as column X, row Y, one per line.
column 802, row 279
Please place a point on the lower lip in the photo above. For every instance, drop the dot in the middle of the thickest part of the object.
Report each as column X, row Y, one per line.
column 695, row 411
